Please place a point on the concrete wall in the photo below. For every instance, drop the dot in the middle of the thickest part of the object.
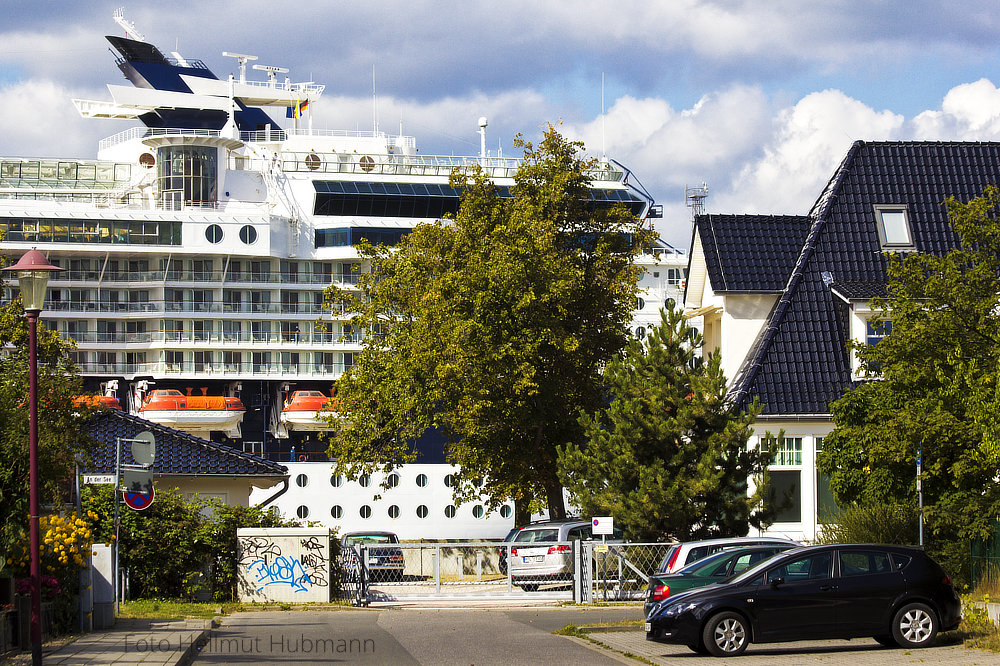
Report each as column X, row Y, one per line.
column 284, row 564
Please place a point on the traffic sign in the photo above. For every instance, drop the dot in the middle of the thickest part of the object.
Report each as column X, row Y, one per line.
column 603, row 525
column 139, row 481
column 144, row 448
column 99, row 479
column 138, row 501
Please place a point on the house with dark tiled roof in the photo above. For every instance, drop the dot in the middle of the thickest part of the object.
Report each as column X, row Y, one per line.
column 884, row 197
column 190, row 464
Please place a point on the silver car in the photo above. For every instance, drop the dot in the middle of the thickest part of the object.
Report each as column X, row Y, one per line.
column 543, row 552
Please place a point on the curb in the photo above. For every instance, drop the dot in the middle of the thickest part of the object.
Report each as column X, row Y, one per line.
column 195, row 646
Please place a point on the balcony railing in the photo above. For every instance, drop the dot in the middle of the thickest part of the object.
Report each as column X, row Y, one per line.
column 229, row 339
column 243, row 370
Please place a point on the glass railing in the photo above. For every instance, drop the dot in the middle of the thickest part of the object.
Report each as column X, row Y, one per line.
column 226, row 338
column 242, row 370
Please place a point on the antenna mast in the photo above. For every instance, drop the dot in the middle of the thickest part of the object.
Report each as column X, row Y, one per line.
column 241, row 58
column 127, row 26
column 694, row 198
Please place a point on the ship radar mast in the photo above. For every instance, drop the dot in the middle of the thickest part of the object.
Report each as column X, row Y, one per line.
column 127, row 26
column 242, row 59
column 271, row 71
column 694, row 198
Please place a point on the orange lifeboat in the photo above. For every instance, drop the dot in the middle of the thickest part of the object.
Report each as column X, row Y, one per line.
column 307, row 410
column 193, row 413
column 97, row 401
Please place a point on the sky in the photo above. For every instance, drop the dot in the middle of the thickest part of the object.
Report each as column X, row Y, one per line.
column 760, row 100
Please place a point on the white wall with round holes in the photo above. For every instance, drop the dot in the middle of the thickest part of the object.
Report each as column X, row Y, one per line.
column 417, row 505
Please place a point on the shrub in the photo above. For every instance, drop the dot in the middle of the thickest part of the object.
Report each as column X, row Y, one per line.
column 875, row 523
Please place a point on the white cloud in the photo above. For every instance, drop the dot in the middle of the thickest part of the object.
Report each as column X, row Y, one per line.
column 969, row 112
column 46, row 122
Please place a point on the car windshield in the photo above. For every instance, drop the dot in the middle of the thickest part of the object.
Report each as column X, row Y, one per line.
column 356, row 539
column 546, row 534
column 755, row 570
column 707, row 566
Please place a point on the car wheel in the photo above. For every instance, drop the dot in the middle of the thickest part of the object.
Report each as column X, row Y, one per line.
column 725, row 635
column 914, row 625
column 885, row 639
column 528, row 587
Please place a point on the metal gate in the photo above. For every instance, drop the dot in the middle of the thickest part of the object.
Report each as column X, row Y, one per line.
column 617, row 571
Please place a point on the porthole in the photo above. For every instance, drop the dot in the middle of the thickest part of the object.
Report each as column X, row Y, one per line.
column 505, row 511
column 336, row 481
column 392, row 481
column 147, row 160
column 477, row 511
column 449, row 480
column 213, row 233
column 640, row 332
column 365, row 480
column 394, row 511
column 337, row 511
column 248, row 234
column 670, row 303
column 421, row 480
column 639, row 303
column 313, row 161
column 302, row 511
column 449, row 511
column 421, row 511
column 302, row 480
column 366, row 512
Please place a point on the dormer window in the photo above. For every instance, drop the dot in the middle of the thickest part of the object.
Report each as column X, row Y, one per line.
column 893, row 227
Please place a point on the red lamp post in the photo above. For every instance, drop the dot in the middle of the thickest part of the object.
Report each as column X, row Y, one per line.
column 32, row 272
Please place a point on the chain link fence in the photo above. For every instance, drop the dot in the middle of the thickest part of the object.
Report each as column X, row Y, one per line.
column 618, row 571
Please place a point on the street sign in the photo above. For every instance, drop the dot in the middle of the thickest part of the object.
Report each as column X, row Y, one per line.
column 139, row 481
column 99, row 479
column 603, row 525
column 144, row 448
column 138, row 501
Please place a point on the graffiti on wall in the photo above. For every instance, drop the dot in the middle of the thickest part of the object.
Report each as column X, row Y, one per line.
column 302, row 568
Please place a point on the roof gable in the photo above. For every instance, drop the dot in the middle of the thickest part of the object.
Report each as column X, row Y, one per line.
column 775, row 239
column 177, row 452
column 799, row 364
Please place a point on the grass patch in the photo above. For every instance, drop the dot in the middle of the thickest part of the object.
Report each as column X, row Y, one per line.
column 572, row 630
column 169, row 609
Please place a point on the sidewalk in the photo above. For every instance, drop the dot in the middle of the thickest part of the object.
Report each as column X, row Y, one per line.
column 131, row 641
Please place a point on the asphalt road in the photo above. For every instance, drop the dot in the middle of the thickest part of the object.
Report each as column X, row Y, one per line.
column 409, row 636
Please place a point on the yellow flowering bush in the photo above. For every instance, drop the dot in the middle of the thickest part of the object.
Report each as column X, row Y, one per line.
column 65, row 543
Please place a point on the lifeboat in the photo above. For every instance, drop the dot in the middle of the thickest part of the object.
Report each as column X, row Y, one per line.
column 97, row 401
column 193, row 413
column 306, row 410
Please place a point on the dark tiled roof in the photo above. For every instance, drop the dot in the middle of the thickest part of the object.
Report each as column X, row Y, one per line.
column 855, row 290
column 799, row 364
column 177, row 453
column 775, row 239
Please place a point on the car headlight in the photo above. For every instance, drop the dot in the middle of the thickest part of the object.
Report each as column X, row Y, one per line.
column 680, row 608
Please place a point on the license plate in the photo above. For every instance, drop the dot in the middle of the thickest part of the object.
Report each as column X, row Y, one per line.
column 372, row 560
column 649, row 627
column 534, row 558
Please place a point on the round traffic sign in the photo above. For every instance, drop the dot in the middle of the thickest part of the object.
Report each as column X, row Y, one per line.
column 138, row 501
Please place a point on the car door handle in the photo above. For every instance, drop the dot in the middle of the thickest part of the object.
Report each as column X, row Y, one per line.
column 827, row 588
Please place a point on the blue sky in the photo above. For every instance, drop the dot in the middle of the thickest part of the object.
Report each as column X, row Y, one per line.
column 759, row 99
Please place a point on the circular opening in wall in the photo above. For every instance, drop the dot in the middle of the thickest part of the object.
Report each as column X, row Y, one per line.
column 639, row 303
column 337, row 511
column 449, row 511
column 364, row 480
column 505, row 511
column 213, row 233
column 392, row 481
column 394, row 511
column 449, row 480
column 366, row 511
column 477, row 511
column 313, row 161
column 421, row 511
column 147, row 160
column 301, row 480
column 641, row 332
column 302, row 511
column 336, row 481
column 421, row 480
column 248, row 234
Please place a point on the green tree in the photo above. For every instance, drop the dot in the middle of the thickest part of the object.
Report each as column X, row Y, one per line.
column 934, row 389
column 667, row 457
column 61, row 424
column 491, row 328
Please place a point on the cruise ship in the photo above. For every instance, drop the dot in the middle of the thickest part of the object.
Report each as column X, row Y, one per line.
column 197, row 246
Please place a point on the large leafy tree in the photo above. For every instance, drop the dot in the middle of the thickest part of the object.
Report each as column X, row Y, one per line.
column 934, row 388
column 60, row 422
column 668, row 457
column 491, row 328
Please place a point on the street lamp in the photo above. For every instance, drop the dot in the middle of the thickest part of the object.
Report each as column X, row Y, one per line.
column 32, row 271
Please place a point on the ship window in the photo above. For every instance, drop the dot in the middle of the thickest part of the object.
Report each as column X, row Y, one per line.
column 366, row 511
column 393, row 480
column 505, row 511
column 248, row 234
column 213, row 233
column 449, row 511
column 421, row 480
column 302, row 480
column 336, row 481
column 449, row 480
column 478, row 511
column 337, row 511
column 394, row 511
column 365, row 480
column 421, row 511
column 302, row 511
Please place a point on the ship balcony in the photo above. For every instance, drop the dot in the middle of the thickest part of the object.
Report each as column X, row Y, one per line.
column 224, row 371
column 327, row 339
column 176, row 307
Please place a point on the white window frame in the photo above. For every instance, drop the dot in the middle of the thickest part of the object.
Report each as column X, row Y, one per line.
column 894, row 244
